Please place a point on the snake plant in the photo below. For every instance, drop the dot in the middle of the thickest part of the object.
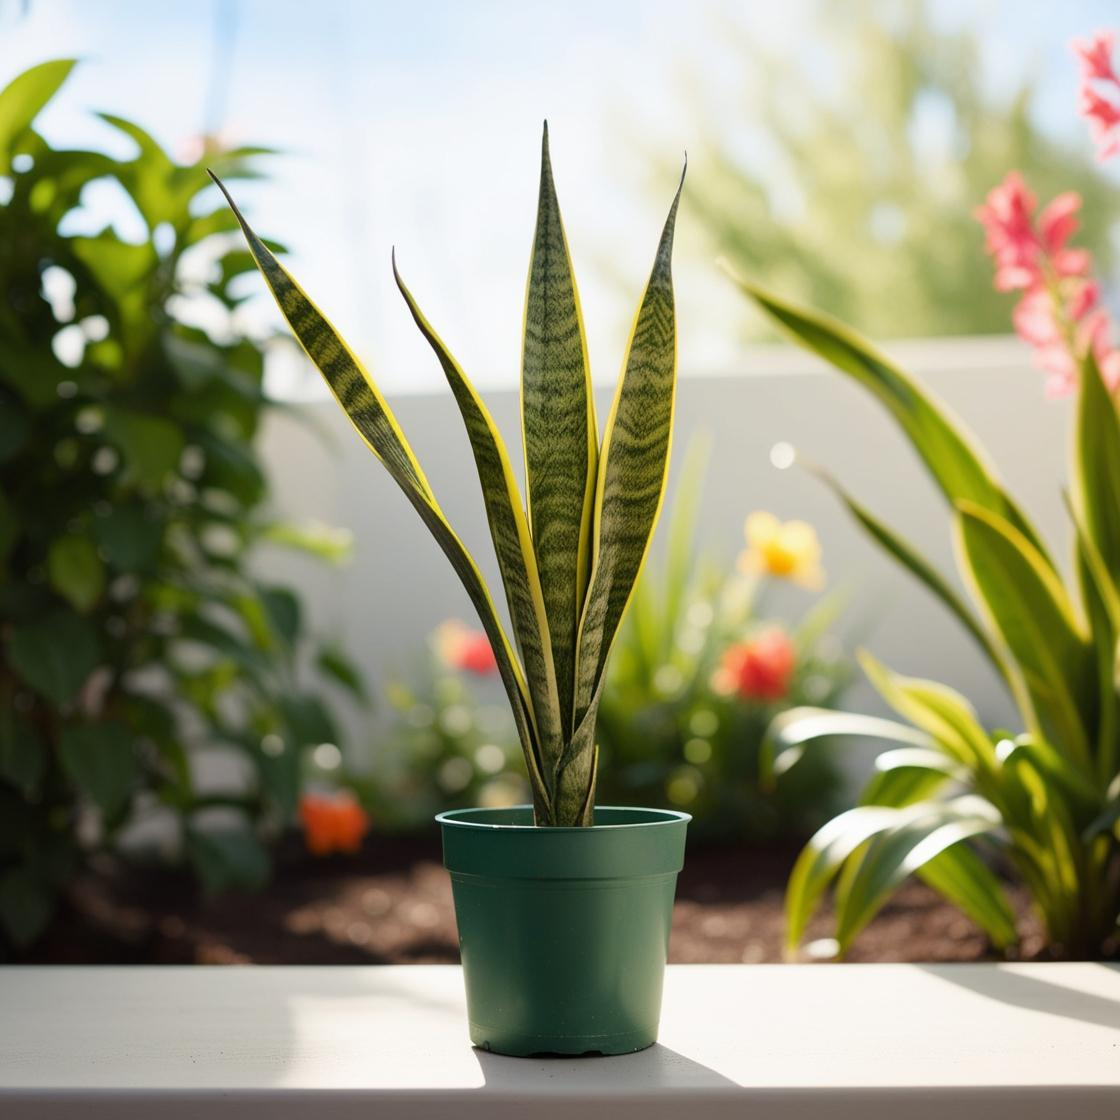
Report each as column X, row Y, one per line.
column 570, row 555
column 1045, row 801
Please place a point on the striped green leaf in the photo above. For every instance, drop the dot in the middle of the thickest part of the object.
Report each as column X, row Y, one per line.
column 632, row 468
column 938, row 437
column 560, row 433
column 1028, row 606
column 374, row 421
column 513, row 545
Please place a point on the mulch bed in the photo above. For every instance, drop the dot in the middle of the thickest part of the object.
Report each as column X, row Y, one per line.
column 392, row 905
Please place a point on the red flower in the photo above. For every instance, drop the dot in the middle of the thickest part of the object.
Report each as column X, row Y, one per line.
column 460, row 647
column 759, row 669
column 332, row 822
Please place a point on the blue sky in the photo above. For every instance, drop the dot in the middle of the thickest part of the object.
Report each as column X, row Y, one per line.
column 419, row 125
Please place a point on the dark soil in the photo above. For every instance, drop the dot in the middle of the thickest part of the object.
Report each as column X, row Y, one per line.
column 392, row 905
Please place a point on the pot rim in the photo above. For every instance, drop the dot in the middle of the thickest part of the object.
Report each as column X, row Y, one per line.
column 460, row 818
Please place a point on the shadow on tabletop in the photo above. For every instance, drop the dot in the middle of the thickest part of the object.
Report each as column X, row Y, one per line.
column 1033, row 993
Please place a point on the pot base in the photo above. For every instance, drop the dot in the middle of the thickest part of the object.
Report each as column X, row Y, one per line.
column 548, row 1046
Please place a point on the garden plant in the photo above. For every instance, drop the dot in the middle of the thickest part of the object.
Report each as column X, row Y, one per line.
column 1043, row 799
column 132, row 504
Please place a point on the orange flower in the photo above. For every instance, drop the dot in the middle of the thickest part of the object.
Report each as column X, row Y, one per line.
column 460, row 647
column 332, row 822
column 758, row 669
column 786, row 549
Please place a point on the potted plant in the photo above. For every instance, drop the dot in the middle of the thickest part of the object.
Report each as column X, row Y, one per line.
column 1045, row 801
column 563, row 907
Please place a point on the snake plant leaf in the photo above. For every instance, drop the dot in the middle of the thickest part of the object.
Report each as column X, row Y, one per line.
column 1028, row 606
column 792, row 730
column 509, row 530
column 940, row 712
column 909, row 774
column 23, row 98
column 962, row 877
column 560, row 432
column 913, row 561
column 632, row 468
column 955, row 464
column 1097, row 465
column 374, row 421
column 893, row 854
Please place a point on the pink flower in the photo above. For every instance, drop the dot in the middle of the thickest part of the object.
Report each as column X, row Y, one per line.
column 1102, row 113
column 1059, row 314
column 1095, row 54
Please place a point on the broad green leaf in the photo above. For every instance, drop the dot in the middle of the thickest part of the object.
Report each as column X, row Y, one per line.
column 908, row 775
column 790, row 731
column 54, row 654
column 150, row 446
column 1097, row 466
column 23, row 756
column 76, row 571
column 513, row 545
column 936, row 435
column 824, row 855
column 323, row 541
column 918, row 566
column 1054, row 768
column 26, row 905
column 9, row 527
column 374, row 421
column 333, row 662
column 227, row 858
column 1028, row 606
column 629, row 491
column 15, row 429
column 129, row 536
column 282, row 609
column 962, row 877
column 100, row 760
column 560, row 433
column 868, row 880
column 940, row 712
column 23, row 98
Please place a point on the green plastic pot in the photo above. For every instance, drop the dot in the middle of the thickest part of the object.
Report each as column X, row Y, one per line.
column 563, row 932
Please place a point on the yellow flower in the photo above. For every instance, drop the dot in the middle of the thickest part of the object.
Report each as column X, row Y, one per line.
column 786, row 549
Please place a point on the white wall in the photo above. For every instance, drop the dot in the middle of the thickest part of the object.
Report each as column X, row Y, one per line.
column 399, row 585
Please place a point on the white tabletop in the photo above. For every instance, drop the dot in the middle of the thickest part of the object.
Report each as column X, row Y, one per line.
column 769, row 1042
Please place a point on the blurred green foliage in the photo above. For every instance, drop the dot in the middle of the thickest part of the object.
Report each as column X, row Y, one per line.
column 668, row 736
column 131, row 500
column 850, row 177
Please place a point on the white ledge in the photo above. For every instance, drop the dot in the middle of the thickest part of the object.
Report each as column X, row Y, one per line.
column 777, row 1042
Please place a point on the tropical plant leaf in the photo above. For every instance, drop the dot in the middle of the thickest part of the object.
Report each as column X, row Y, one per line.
column 962, row 877
column 23, row 98
column 824, row 855
column 1097, row 466
column 513, row 545
column 955, row 464
column 1028, row 606
column 630, row 487
column 913, row 561
column 790, row 731
column 908, row 775
column 560, row 433
column 940, row 712
column 895, row 853
column 371, row 416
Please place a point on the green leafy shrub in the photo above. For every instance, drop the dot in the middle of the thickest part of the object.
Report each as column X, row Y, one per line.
column 131, row 501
